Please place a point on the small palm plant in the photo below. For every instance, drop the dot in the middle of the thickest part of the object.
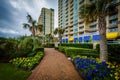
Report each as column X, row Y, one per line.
column 60, row 32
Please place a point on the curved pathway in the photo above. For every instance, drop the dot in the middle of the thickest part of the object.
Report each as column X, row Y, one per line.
column 54, row 66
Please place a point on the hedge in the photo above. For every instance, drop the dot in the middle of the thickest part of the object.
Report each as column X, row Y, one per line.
column 113, row 50
column 81, row 45
column 79, row 51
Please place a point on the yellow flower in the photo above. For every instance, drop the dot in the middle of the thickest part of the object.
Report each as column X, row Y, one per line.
column 111, row 75
column 113, row 66
column 116, row 77
column 108, row 66
column 116, row 74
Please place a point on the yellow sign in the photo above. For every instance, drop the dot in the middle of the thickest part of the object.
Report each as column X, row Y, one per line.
column 112, row 35
column 71, row 39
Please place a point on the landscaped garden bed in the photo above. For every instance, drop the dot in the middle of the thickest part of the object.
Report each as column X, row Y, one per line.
column 27, row 63
column 93, row 69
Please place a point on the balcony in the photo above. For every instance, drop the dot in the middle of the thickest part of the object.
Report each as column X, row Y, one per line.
column 115, row 1
column 93, row 23
column 114, row 17
column 81, row 20
column 81, row 2
column 112, row 25
column 81, row 30
column 81, row 25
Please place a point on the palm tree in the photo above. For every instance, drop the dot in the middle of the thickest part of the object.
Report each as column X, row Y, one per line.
column 49, row 36
column 98, row 9
column 60, row 32
column 32, row 25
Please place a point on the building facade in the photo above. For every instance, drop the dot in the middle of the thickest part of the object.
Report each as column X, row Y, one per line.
column 46, row 18
column 77, row 30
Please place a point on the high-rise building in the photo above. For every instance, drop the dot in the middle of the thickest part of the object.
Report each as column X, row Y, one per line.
column 46, row 18
column 77, row 30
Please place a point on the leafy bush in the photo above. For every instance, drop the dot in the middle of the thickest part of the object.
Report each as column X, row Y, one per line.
column 80, row 45
column 27, row 63
column 37, row 49
column 91, row 69
column 22, row 47
column 62, row 48
column 79, row 51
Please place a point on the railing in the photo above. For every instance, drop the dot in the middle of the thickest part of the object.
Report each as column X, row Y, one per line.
column 93, row 23
column 92, row 28
column 113, row 16
column 82, row 29
column 81, row 25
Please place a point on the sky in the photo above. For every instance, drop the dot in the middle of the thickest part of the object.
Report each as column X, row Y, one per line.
column 13, row 15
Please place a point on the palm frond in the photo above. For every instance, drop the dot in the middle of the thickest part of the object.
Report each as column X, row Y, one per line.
column 26, row 25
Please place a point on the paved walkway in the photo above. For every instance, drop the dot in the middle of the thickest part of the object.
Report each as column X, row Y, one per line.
column 54, row 66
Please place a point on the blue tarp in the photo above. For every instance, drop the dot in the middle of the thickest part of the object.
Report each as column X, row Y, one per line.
column 66, row 40
column 75, row 39
column 80, row 39
column 95, row 37
column 86, row 38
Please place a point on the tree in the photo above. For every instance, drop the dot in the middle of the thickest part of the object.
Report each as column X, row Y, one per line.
column 60, row 32
column 32, row 25
column 98, row 9
column 49, row 36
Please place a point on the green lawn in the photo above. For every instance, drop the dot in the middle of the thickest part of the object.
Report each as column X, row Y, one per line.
column 9, row 72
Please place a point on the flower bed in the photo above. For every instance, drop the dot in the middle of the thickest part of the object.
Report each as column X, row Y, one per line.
column 93, row 69
column 27, row 63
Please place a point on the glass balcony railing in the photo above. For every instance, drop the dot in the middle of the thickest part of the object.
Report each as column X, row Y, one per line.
column 93, row 23
column 113, row 16
column 81, row 29
column 115, row 1
column 81, row 25
column 92, row 28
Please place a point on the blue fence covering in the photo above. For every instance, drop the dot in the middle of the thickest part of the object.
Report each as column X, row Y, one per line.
column 75, row 39
column 66, row 40
column 80, row 39
column 86, row 38
column 95, row 37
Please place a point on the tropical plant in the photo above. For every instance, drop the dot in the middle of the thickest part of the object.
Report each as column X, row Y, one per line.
column 60, row 32
column 32, row 25
column 49, row 37
column 98, row 9
column 29, row 43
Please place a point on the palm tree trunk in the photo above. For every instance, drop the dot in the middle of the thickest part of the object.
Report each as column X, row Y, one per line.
column 33, row 32
column 103, row 40
column 60, row 39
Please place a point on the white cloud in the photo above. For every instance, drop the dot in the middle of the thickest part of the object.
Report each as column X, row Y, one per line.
column 8, row 31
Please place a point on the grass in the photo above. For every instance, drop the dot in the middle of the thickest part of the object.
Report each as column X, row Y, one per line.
column 9, row 72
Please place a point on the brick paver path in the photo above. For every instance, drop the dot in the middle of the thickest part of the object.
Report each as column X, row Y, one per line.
column 54, row 66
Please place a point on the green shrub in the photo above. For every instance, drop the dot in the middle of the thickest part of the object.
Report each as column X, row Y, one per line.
column 113, row 50
column 37, row 49
column 80, row 45
column 78, row 51
column 62, row 48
